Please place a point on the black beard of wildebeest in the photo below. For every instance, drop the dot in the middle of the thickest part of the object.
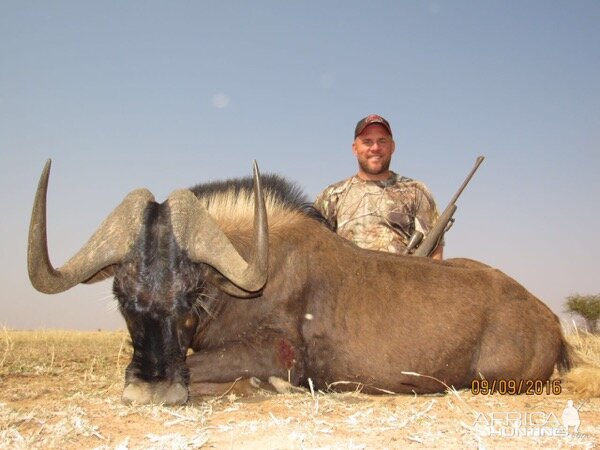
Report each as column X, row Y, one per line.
column 248, row 277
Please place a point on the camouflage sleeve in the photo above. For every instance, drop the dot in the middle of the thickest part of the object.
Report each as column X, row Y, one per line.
column 326, row 204
column 426, row 213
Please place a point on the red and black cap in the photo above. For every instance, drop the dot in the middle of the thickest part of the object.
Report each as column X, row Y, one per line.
column 373, row 118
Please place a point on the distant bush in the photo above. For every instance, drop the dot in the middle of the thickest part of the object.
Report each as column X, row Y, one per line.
column 587, row 307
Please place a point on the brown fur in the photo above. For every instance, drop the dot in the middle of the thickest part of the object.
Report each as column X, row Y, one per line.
column 361, row 316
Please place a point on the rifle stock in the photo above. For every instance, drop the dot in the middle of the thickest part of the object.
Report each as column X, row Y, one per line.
column 433, row 238
column 413, row 243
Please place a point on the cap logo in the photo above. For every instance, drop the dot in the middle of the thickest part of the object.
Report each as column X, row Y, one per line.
column 374, row 118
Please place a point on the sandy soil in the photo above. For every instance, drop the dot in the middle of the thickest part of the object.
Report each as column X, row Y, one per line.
column 62, row 390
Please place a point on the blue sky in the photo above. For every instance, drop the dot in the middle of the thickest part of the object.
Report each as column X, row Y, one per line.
column 165, row 95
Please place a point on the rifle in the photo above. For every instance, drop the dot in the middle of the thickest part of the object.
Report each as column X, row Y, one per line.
column 442, row 225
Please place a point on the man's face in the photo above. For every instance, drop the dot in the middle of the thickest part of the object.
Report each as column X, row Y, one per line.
column 373, row 149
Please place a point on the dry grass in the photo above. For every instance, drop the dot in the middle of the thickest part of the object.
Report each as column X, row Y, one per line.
column 587, row 344
column 62, row 390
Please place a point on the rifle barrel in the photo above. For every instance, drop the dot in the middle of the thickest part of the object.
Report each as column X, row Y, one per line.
column 478, row 162
column 431, row 241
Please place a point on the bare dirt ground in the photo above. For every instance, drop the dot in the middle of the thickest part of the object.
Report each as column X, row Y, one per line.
column 62, row 390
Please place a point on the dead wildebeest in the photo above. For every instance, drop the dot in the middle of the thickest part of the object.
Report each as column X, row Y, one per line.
column 292, row 299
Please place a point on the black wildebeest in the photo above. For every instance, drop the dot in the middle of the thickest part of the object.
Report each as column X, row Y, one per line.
column 291, row 299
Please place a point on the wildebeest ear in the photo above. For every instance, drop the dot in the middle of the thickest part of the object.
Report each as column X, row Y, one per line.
column 105, row 273
column 223, row 284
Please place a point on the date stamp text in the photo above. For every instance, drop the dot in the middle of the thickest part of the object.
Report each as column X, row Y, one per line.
column 515, row 387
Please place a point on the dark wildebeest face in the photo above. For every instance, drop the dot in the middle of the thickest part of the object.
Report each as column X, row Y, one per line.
column 157, row 287
column 161, row 256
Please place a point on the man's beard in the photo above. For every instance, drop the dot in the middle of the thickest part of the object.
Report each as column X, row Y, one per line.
column 364, row 166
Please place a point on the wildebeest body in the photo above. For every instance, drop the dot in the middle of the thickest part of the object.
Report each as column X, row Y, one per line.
column 361, row 317
column 192, row 272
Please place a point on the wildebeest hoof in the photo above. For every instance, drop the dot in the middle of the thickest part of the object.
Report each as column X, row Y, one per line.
column 164, row 392
column 284, row 387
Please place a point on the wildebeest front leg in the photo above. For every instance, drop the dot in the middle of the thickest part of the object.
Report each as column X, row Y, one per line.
column 245, row 362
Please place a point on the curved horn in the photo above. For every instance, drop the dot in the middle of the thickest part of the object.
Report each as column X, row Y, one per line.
column 107, row 246
column 197, row 233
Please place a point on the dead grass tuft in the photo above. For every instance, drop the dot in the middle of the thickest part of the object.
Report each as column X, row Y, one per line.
column 587, row 344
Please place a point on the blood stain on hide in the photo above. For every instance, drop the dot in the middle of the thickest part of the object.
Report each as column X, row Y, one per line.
column 287, row 354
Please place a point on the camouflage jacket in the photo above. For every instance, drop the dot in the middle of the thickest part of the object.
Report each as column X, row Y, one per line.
column 378, row 215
